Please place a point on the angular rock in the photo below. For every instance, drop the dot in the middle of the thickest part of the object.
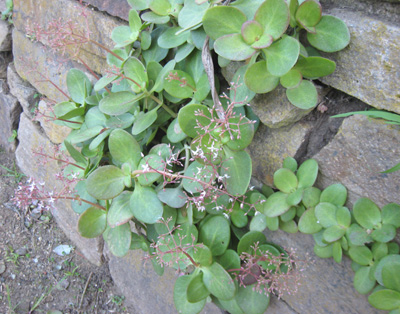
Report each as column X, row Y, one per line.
column 143, row 288
column 271, row 146
column 361, row 150
column 100, row 25
column 5, row 36
column 56, row 133
column 5, row 58
column 32, row 139
column 368, row 67
column 326, row 286
column 21, row 89
column 118, row 8
column 42, row 66
column 10, row 111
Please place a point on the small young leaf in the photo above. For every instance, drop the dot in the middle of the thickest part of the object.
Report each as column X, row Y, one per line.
column 305, row 96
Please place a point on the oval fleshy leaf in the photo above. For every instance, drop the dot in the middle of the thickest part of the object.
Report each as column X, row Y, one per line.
column 218, row 281
column 291, row 79
column 315, row 67
column 259, row 80
column 362, row 282
column 145, row 205
column 251, row 31
column 361, row 255
column 331, row 34
column 233, row 47
column 366, row 213
column 135, row 70
column 118, row 239
column 304, row 96
column 120, row 211
column 79, row 86
column 309, row 13
column 124, row 148
column 179, row 84
column 274, row 16
column 308, row 222
column 174, row 197
column 385, row 299
column 92, row 222
column 215, row 233
column 170, row 39
column 276, row 205
column 180, row 297
column 118, row 103
column 335, row 194
column 285, row 180
column 105, row 182
column 391, row 214
column 307, row 173
column 282, row 55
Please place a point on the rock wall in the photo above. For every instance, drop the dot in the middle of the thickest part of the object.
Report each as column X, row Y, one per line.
column 352, row 151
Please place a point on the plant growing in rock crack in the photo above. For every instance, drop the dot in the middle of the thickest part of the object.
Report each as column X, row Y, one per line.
column 159, row 157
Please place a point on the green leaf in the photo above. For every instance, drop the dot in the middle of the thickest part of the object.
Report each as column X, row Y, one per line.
column 362, row 282
column 180, row 84
column 143, row 121
column 311, row 197
column 92, row 222
column 305, row 96
column 293, row 6
column 196, row 290
column 124, row 148
column 239, row 217
column 203, row 256
column 198, row 172
column 366, row 213
column 273, row 15
column 169, row 215
column 333, row 233
column 291, row 79
column 309, row 14
column 80, row 206
column 233, row 47
column 379, row 250
column 315, row 67
column 249, row 240
column 358, row 235
column 343, row 217
column 391, row 214
column 118, row 103
column 308, row 222
column 361, row 255
column 259, row 80
column 331, row 34
column 218, row 282
column 79, row 86
column 75, row 154
column 323, row 252
column 135, row 71
column 258, row 223
column 121, row 35
column 63, row 109
column 152, row 17
column 192, row 14
column 145, row 205
column 251, row 301
column 337, row 252
column 172, row 38
column 391, row 276
column 276, row 205
column 237, row 170
column 241, row 131
column 223, row 20
column 193, row 118
column 183, row 51
column 251, row 31
column 180, row 297
column 384, row 234
column 326, row 214
column 391, row 118
column 118, row 239
column 392, row 260
column 229, row 260
column 135, row 23
column 215, row 233
column 282, row 55
column 385, row 299
column 159, row 84
column 120, row 211
column 285, row 180
column 105, row 182
column 307, row 173
column 160, row 7
column 335, row 194
column 173, row 197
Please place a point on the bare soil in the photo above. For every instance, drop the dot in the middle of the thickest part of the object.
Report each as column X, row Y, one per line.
column 33, row 278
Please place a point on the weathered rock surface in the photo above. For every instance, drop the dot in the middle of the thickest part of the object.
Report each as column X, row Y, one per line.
column 118, row 8
column 5, row 36
column 100, row 25
column 56, row 133
column 326, row 287
column 38, row 66
column 9, row 117
column 32, row 139
column 21, row 89
column 368, row 67
column 361, row 150
column 271, row 146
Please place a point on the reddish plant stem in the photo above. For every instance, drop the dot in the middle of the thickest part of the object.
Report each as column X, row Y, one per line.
column 61, row 160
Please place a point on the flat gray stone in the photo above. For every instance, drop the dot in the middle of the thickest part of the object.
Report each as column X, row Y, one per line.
column 271, row 146
column 10, row 111
column 326, row 286
column 144, row 290
column 368, row 67
column 21, row 89
column 118, row 8
column 361, row 150
column 32, row 139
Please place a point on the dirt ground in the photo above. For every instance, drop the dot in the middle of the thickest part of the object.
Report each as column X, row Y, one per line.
column 33, row 278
